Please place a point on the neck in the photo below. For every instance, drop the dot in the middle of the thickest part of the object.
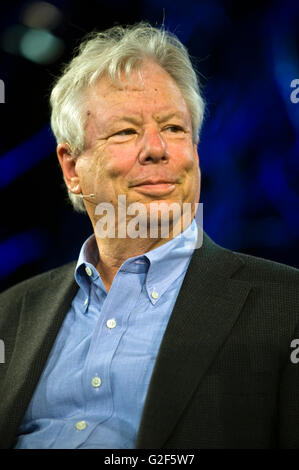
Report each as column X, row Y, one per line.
column 114, row 251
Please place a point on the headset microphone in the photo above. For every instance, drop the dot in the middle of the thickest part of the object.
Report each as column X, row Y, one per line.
column 86, row 195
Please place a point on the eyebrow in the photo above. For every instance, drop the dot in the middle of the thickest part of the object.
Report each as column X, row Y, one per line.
column 137, row 121
column 133, row 120
column 171, row 115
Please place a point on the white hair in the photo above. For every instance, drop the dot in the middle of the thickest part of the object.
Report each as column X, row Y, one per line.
column 118, row 49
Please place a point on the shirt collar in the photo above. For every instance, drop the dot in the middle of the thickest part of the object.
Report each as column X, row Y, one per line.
column 86, row 265
column 163, row 264
column 169, row 261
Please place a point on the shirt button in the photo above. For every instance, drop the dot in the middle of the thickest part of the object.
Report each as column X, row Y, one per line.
column 88, row 271
column 155, row 294
column 81, row 425
column 111, row 323
column 96, row 382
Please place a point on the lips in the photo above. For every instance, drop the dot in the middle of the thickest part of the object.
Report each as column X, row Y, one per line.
column 155, row 187
column 154, row 181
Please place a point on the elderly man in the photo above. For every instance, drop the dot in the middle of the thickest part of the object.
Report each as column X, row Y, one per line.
column 147, row 341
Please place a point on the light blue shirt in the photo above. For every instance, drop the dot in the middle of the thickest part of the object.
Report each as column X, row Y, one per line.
column 93, row 388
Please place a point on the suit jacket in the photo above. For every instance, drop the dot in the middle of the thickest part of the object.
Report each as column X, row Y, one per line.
column 223, row 377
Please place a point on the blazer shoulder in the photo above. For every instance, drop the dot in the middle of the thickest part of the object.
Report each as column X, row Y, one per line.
column 260, row 269
column 226, row 262
column 39, row 281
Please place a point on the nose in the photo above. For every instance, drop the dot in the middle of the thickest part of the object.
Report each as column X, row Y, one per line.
column 153, row 148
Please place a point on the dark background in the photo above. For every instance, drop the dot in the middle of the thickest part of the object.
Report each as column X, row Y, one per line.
column 247, row 53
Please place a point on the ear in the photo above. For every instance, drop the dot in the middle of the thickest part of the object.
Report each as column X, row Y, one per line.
column 67, row 162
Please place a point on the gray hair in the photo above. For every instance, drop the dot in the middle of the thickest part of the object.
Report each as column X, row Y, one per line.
column 118, row 49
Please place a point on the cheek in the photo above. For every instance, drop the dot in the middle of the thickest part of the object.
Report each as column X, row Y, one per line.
column 84, row 167
column 119, row 161
column 184, row 158
column 90, row 171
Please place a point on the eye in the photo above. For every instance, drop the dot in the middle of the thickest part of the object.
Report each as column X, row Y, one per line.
column 122, row 135
column 174, row 129
column 125, row 132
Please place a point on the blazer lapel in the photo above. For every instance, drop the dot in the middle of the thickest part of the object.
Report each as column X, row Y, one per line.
column 33, row 344
column 206, row 309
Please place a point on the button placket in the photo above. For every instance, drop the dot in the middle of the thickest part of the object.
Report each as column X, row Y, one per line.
column 81, row 425
column 96, row 382
column 111, row 323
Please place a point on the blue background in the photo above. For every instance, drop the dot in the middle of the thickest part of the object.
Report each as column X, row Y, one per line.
column 247, row 54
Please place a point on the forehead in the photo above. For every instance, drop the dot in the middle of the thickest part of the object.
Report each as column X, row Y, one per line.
column 148, row 90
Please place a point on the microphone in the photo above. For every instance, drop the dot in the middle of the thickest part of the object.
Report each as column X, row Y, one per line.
column 86, row 195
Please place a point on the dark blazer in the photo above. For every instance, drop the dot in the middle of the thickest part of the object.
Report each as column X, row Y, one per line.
column 223, row 376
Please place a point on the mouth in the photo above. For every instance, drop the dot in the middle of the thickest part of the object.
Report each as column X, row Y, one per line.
column 155, row 187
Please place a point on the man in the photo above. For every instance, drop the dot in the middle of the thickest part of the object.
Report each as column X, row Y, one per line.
column 146, row 341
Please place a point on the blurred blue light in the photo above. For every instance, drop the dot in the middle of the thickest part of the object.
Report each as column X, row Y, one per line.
column 182, row 18
column 270, row 231
column 20, row 159
column 21, row 249
column 273, row 182
column 41, row 46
